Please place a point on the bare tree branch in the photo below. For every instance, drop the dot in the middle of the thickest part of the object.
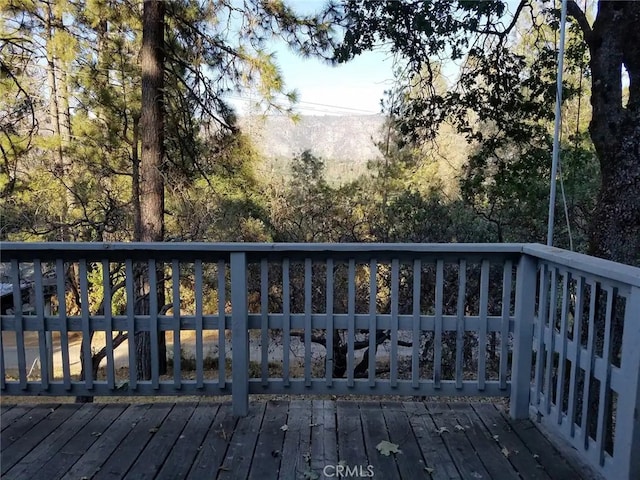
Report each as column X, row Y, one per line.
column 573, row 10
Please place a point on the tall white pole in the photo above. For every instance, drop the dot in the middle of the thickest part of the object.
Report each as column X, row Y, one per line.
column 558, row 121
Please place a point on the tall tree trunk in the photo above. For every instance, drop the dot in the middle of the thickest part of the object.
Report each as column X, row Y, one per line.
column 65, row 114
column 135, row 183
column 54, row 115
column 152, row 123
column 615, row 131
column 65, row 141
column 151, row 178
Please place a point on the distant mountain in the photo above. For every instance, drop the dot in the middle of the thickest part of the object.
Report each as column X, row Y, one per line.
column 346, row 143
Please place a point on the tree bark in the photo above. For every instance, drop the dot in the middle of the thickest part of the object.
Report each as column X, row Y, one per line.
column 135, row 182
column 614, row 43
column 152, row 123
column 151, row 158
column 54, row 116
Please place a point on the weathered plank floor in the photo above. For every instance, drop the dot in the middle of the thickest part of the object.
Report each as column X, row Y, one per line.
column 204, row 441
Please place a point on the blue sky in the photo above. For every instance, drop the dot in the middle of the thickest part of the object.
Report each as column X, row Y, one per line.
column 355, row 88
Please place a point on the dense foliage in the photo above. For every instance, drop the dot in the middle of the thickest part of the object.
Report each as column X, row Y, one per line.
column 71, row 134
column 503, row 96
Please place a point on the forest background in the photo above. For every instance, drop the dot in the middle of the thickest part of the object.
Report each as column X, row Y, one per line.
column 73, row 138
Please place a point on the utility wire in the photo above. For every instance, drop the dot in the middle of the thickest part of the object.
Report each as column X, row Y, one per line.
column 313, row 104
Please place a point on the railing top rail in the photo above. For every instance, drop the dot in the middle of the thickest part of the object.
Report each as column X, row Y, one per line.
column 585, row 263
column 71, row 250
column 264, row 247
column 595, row 266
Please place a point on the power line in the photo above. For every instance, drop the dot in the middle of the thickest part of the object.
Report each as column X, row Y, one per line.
column 301, row 104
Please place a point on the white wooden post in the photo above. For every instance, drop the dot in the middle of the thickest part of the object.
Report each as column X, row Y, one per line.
column 523, row 337
column 240, row 335
column 627, row 436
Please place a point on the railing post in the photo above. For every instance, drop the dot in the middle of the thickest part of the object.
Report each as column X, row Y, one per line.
column 239, row 335
column 523, row 337
column 627, row 435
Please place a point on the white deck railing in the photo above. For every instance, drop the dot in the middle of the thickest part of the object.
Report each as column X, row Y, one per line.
column 524, row 321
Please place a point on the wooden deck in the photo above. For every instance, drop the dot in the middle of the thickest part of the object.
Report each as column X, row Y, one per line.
column 298, row 439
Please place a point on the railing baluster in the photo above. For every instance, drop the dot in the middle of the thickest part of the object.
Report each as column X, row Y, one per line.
column 86, row 328
column 482, row 327
column 153, row 323
column 3, row 373
column 541, row 343
column 108, row 323
column 42, row 329
column 589, row 364
column 264, row 327
column 61, row 276
column 239, row 335
column 395, row 274
column 504, row 325
column 415, row 336
column 437, row 354
column 308, row 273
column 575, row 364
column 550, row 336
column 523, row 337
column 197, row 272
column 605, row 383
column 329, row 332
column 19, row 323
column 460, row 327
column 566, row 282
column 286, row 321
column 177, row 346
column 627, row 435
column 222, row 323
column 373, row 321
column 131, row 324
column 351, row 325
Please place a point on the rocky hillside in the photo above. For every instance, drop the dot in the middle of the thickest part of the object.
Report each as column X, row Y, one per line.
column 346, row 143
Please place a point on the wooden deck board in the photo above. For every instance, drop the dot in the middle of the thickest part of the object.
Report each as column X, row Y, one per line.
column 238, row 458
column 51, row 445
column 182, row 440
column 495, row 461
column 324, row 436
column 375, row 431
column 161, row 444
column 546, row 454
column 107, row 441
column 520, row 456
column 462, row 452
column 189, row 443
column 211, row 454
column 295, row 452
column 268, row 453
column 33, row 433
column 85, row 436
column 129, row 449
column 434, row 451
column 351, row 448
column 11, row 414
column 20, row 426
column 410, row 462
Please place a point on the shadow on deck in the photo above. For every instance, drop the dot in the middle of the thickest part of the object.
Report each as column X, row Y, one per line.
column 297, row 439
